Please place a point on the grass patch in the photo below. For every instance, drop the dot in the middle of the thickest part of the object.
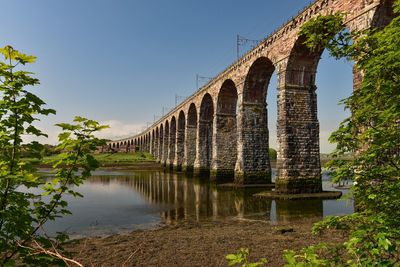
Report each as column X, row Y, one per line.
column 137, row 157
column 104, row 159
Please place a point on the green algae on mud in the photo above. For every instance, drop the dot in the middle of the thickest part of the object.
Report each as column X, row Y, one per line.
column 321, row 195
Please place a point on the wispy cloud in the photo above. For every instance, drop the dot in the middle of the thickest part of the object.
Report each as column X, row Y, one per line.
column 119, row 129
column 51, row 139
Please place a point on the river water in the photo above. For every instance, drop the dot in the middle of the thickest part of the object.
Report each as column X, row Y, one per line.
column 122, row 201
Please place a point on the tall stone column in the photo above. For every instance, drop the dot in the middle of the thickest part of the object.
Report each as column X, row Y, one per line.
column 150, row 144
column 165, row 149
column 190, row 148
column 171, row 150
column 156, row 147
column 224, row 147
column 298, row 163
column 203, row 148
column 253, row 164
column 179, row 149
column 160, row 147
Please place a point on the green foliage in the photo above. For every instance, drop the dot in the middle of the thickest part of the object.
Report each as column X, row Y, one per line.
column 47, row 150
column 308, row 256
column 372, row 133
column 371, row 242
column 273, row 154
column 320, row 32
column 341, row 170
column 241, row 258
column 23, row 212
column 373, row 130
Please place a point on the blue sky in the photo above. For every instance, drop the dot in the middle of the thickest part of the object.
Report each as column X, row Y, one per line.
column 120, row 62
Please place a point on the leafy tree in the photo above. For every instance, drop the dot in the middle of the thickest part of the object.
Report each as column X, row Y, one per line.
column 23, row 213
column 372, row 133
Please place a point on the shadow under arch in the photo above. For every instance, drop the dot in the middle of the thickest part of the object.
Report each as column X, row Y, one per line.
column 383, row 14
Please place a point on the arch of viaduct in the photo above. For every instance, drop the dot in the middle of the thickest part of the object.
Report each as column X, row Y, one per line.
column 222, row 128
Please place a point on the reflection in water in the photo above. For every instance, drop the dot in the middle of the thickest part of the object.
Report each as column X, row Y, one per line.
column 138, row 199
column 287, row 210
column 190, row 198
column 195, row 199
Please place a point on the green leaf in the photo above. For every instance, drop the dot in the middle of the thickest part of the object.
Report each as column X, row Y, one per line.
column 231, row 257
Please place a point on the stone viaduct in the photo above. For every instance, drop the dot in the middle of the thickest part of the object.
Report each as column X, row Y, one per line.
column 221, row 130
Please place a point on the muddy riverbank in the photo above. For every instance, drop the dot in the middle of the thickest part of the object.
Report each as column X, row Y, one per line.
column 197, row 244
